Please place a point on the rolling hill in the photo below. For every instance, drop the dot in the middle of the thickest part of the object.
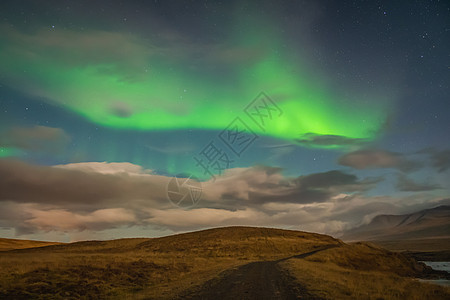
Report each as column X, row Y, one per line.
column 11, row 244
column 232, row 262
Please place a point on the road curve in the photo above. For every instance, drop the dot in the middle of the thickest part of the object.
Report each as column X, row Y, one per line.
column 257, row 280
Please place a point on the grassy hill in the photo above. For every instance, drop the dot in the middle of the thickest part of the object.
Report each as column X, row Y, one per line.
column 11, row 244
column 363, row 271
column 164, row 268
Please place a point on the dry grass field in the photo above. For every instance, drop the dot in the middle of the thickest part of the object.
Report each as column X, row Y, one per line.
column 363, row 271
column 422, row 245
column 165, row 268
column 11, row 244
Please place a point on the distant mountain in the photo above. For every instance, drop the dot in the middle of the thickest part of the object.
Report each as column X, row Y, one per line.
column 426, row 224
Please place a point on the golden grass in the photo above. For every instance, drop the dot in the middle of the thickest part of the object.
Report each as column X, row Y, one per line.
column 11, row 244
column 112, row 275
column 362, row 271
column 143, row 268
column 163, row 268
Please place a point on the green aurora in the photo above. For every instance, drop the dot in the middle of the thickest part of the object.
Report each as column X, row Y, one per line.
column 159, row 85
column 7, row 151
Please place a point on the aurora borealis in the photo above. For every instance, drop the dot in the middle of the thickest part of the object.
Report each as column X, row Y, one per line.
column 361, row 89
column 146, row 85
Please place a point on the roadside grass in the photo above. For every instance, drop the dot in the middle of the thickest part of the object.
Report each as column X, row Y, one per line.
column 159, row 268
column 164, row 268
column 362, row 271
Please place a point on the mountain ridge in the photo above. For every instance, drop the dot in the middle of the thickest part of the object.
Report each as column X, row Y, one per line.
column 432, row 223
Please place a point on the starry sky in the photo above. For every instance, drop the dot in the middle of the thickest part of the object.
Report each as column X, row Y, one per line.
column 309, row 115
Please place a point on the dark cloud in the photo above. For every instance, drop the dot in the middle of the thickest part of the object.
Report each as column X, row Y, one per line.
column 408, row 185
column 317, row 140
column 92, row 186
column 441, row 160
column 77, row 197
column 316, row 187
column 121, row 109
column 377, row 158
column 326, row 179
column 255, row 186
column 76, row 186
column 36, row 138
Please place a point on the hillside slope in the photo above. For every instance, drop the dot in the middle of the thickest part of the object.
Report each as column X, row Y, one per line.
column 11, row 244
column 364, row 271
column 173, row 266
column 426, row 224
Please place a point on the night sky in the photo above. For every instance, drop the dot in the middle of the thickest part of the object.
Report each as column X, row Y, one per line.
column 308, row 115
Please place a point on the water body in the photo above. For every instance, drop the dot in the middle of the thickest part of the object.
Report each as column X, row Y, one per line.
column 441, row 266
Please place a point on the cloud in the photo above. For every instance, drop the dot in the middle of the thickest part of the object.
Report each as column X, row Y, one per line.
column 64, row 220
column 244, row 187
column 318, row 187
column 29, row 218
column 278, row 151
column 408, row 185
column 441, row 160
column 99, row 196
column 78, row 48
column 79, row 185
column 377, row 158
column 332, row 141
column 121, row 109
column 36, row 139
column 331, row 217
column 205, row 217
column 121, row 54
column 107, row 168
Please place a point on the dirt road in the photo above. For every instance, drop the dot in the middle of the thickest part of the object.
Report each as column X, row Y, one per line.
column 257, row 280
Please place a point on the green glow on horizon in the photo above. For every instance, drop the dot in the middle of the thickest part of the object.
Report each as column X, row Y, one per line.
column 166, row 93
column 8, row 152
